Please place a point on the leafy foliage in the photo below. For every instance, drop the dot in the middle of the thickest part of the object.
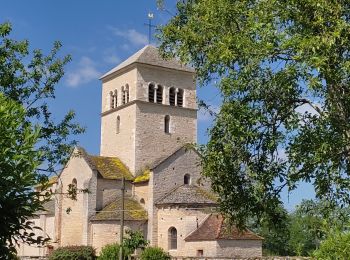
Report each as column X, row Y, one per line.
column 74, row 253
column 18, row 161
column 134, row 240
column 154, row 253
column 110, row 251
column 283, row 72
column 32, row 143
column 336, row 246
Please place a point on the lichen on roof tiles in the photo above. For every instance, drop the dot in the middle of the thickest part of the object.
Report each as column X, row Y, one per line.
column 188, row 194
column 133, row 211
column 111, row 167
column 145, row 176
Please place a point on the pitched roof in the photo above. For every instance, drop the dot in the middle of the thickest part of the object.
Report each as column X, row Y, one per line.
column 149, row 55
column 110, row 167
column 49, row 208
column 133, row 211
column 188, row 194
column 214, row 227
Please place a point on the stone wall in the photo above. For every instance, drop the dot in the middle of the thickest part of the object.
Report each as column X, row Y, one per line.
column 141, row 191
column 108, row 231
column 152, row 143
column 167, row 78
column 73, row 224
column 185, row 221
column 122, row 144
column 169, row 175
column 109, row 190
column 239, row 248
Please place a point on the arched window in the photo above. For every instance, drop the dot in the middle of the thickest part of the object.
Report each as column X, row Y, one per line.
column 160, row 94
column 74, row 183
column 167, row 124
column 111, row 100
column 142, row 201
column 117, row 125
column 172, row 96
column 127, row 93
column 123, row 95
column 187, row 179
column 180, row 97
column 151, row 93
column 115, row 98
column 172, row 234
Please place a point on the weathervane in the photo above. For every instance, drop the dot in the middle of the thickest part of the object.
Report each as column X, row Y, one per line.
column 150, row 18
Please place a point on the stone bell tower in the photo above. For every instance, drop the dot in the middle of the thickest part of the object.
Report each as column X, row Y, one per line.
column 149, row 109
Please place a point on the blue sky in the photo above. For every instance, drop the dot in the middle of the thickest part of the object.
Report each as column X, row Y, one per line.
column 98, row 35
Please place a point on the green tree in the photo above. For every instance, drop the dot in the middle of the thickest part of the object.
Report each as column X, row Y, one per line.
column 271, row 60
column 335, row 247
column 28, row 155
column 18, row 163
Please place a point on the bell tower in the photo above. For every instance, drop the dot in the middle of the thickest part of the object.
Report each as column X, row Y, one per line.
column 149, row 109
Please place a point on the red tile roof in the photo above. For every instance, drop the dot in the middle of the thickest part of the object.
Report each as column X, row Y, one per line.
column 214, row 227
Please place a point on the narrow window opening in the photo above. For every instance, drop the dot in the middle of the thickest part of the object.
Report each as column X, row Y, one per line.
column 187, row 179
column 180, row 95
column 115, row 99
column 172, row 96
column 167, row 124
column 118, row 125
column 142, row 201
column 200, row 252
column 74, row 183
column 151, row 93
column 160, row 94
column 127, row 93
column 172, row 238
column 123, row 95
column 111, row 100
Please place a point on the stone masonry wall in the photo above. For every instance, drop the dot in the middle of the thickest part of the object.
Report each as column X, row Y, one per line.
column 108, row 231
column 122, row 144
column 184, row 220
column 167, row 78
column 152, row 143
column 239, row 248
column 169, row 175
column 73, row 223
column 109, row 190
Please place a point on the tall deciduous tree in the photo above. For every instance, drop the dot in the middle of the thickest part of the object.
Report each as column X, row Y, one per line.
column 283, row 72
column 27, row 155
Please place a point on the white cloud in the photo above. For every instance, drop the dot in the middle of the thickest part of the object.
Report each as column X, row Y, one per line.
column 109, row 56
column 84, row 73
column 131, row 35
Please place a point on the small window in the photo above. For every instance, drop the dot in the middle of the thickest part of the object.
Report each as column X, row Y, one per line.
column 200, row 252
column 111, row 100
column 123, row 95
column 74, row 183
column 127, row 93
column 142, row 201
column 159, row 94
column 167, row 124
column 187, row 179
column 172, row 96
column 151, row 93
column 180, row 96
column 172, row 238
column 117, row 125
column 115, row 99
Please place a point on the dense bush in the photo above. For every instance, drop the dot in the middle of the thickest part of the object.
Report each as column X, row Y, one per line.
column 336, row 246
column 154, row 253
column 110, row 251
column 73, row 253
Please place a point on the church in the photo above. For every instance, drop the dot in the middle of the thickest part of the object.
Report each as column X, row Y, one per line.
column 148, row 123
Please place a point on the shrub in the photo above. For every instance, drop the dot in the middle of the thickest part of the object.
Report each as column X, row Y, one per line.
column 110, row 251
column 73, row 253
column 154, row 253
column 336, row 246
